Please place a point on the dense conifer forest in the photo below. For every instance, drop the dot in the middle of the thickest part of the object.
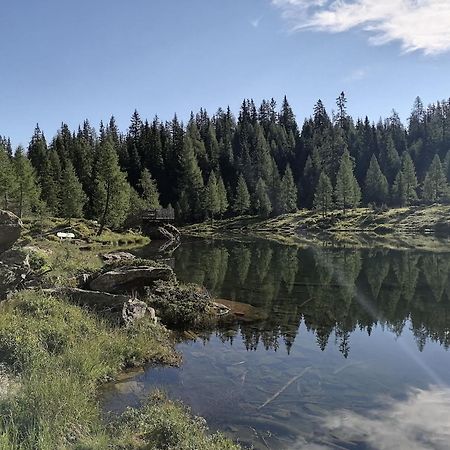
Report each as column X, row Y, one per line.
column 260, row 162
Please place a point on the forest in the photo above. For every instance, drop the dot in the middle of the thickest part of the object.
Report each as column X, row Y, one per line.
column 262, row 162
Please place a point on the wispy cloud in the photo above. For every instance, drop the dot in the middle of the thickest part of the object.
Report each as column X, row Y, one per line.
column 418, row 24
column 356, row 75
column 255, row 22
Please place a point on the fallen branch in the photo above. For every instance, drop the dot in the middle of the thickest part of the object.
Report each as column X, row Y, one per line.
column 292, row 380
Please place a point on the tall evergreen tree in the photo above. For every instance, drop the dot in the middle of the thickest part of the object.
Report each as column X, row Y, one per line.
column 111, row 190
column 223, row 198
column 190, row 182
column 347, row 190
column 323, row 196
column 37, row 150
column 404, row 189
column 8, row 180
column 376, row 185
column 72, row 196
column 262, row 205
column 27, row 188
column 288, row 192
column 149, row 189
column 50, row 181
column 212, row 200
column 435, row 186
column 242, row 200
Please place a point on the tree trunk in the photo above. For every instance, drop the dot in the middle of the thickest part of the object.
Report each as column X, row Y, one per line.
column 105, row 212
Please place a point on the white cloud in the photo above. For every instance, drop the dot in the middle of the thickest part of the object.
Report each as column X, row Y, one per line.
column 419, row 422
column 418, row 24
column 356, row 75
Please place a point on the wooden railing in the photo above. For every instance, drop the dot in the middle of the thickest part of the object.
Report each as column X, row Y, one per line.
column 165, row 214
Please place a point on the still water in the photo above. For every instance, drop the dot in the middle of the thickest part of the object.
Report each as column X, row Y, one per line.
column 351, row 352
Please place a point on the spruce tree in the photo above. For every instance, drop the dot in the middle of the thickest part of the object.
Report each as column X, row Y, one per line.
column 389, row 159
column 27, row 189
column 404, row 189
column 262, row 205
column 435, row 184
column 111, row 190
column 376, row 185
column 149, row 189
column 72, row 196
column 242, row 201
column 288, row 194
column 37, row 150
column 7, row 178
column 223, row 198
column 190, row 181
column 211, row 199
column 50, row 181
column 347, row 190
column 323, row 196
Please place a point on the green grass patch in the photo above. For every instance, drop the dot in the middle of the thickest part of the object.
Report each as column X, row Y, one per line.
column 58, row 354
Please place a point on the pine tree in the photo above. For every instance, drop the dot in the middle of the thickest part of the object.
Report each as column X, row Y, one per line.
column 242, row 201
column 72, row 196
column 262, row 204
column 323, row 197
column 404, row 189
column 37, row 150
column 211, row 200
column 288, row 194
column 50, row 181
column 223, row 198
column 389, row 159
column 376, row 185
column 27, row 193
column 190, row 181
column 435, row 185
column 7, row 178
column 347, row 190
column 149, row 190
column 111, row 190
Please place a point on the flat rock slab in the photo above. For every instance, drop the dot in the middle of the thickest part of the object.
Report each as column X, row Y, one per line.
column 10, row 230
column 129, row 278
column 92, row 298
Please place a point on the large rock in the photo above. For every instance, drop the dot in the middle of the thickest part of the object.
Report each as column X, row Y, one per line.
column 10, row 229
column 130, row 278
column 93, row 299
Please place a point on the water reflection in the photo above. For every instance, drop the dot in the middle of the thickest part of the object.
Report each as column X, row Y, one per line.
column 419, row 422
column 332, row 291
column 349, row 345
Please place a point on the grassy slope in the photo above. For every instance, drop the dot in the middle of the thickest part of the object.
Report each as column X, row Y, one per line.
column 53, row 357
column 418, row 227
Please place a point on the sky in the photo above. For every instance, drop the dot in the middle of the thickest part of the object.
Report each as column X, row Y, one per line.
column 67, row 61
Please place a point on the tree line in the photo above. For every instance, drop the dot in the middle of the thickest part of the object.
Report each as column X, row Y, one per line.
column 261, row 162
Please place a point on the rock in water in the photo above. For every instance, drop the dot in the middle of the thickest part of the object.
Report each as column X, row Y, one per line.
column 10, row 229
column 130, row 278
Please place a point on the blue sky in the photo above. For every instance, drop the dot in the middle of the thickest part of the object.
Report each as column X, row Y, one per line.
column 67, row 61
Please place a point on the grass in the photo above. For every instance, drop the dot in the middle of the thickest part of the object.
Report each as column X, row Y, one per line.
column 425, row 227
column 55, row 355
column 65, row 260
column 59, row 354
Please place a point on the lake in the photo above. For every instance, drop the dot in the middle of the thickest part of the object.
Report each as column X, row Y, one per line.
column 351, row 351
